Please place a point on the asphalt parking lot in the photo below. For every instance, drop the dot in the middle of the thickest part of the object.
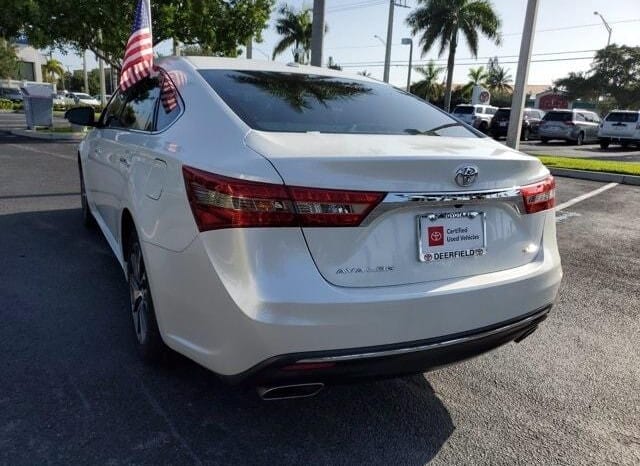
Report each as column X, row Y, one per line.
column 72, row 390
column 588, row 151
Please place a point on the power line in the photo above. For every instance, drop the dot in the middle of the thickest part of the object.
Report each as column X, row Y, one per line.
column 577, row 26
column 476, row 59
column 353, row 6
column 397, row 64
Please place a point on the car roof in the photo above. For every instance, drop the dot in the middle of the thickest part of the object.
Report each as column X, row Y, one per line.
column 243, row 64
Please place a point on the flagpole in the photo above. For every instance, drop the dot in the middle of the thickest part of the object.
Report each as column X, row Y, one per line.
column 103, row 90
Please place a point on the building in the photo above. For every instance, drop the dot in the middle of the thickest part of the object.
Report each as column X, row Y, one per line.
column 30, row 62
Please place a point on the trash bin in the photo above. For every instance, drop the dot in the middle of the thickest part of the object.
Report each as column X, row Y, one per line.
column 38, row 105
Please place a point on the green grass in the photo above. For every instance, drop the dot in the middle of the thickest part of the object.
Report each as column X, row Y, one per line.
column 609, row 166
column 57, row 129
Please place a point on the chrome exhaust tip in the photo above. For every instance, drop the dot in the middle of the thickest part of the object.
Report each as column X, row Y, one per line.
column 288, row 392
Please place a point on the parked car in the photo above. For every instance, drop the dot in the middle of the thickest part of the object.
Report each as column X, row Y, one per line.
column 61, row 99
column 620, row 127
column 106, row 97
column 11, row 93
column 290, row 227
column 478, row 116
column 573, row 126
column 531, row 118
column 80, row 98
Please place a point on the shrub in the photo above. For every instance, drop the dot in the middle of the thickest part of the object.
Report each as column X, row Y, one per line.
column 6, row 104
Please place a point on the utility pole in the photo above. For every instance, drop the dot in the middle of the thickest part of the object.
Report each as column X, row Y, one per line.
column 84, row 70
column 517, row 103
column 103, row 92
column 250, row 48
column 387, row 53
column 317, row 32
column 408, row 41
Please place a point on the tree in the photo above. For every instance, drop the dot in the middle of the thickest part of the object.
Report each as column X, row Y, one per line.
column 53, row 70
column 220, row 27
column 442, row 20
column 8, row 61
column 429, row 87
column 498, row 79
column 615, row 72
column 477, row 77
column 295, row 29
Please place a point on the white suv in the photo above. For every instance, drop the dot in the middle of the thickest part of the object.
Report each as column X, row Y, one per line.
column 621, row 127
column 478, row 116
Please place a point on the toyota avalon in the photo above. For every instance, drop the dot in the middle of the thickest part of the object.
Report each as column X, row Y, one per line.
column 289, row 227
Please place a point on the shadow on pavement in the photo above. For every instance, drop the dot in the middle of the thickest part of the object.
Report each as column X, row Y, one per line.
column 74, row 392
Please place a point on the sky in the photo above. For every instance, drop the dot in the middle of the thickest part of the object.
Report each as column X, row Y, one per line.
column 567, row 35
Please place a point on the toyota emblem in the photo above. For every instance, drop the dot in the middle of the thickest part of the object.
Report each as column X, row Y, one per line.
column 466, row 176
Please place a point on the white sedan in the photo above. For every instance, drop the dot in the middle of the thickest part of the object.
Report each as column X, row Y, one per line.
column 291, row 227
column 80, row 98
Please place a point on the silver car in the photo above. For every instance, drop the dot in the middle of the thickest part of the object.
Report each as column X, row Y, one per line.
column 574, row 126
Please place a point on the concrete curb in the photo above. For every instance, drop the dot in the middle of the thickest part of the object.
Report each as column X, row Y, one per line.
column 596, row 176
column 29, row 133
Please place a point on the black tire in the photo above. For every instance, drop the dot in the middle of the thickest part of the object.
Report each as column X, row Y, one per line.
column 604, row 145
column 87, row 217
column 544, row 140
column 484, row 127
column 625, row 144
column 580, row 140
column 145, row 325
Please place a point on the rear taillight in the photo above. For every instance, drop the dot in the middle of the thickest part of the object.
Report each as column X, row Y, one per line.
column 221, row 202
column 540, row 196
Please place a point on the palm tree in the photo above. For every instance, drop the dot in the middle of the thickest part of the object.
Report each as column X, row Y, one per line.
column 499, row 80
column 295, row 29
column 477, row 77
column 52, row 70
column 442, row 20
column 429, row 86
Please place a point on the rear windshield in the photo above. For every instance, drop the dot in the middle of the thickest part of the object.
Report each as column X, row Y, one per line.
column 503, row 113
column 622, row 117
column 558, row 116
column 295, row 102
column 463, row 110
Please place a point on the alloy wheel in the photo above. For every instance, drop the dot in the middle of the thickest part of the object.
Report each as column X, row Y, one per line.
column 139, row 292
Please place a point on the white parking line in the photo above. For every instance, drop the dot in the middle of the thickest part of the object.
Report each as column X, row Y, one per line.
column 575, row 200
column 31, row 149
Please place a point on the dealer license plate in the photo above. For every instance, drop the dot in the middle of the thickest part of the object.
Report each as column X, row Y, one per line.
column 451, row 235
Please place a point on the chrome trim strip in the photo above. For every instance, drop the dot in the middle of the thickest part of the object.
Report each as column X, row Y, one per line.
column 442, row 344
column 393, row 201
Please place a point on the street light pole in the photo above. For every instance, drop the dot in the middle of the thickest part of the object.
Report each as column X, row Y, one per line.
column 606, row 25
column 317, row 32
column 409, row 42
column 517, row 103
column 387, row 53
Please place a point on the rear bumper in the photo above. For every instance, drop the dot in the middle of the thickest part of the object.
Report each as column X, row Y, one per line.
column 230, row 303
column 354, row 364
column 611, row 138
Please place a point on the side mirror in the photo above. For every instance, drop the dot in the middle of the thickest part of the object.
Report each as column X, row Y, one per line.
column 82, row 116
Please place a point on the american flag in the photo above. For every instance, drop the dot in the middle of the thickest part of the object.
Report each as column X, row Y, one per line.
column 138, row 56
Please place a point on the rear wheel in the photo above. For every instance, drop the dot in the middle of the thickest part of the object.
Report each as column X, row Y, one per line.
column 145, row 325
column 604, row 145
column 87, row 216
column 484, row 127
column 580, row 140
